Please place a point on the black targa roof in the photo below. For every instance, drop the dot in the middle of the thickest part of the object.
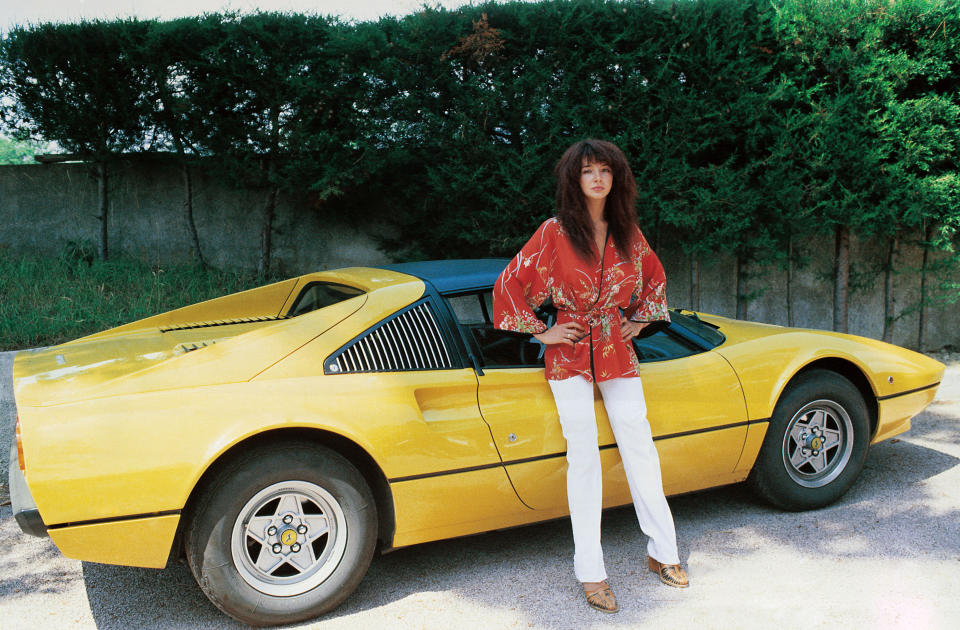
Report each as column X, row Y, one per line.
column 454, row 276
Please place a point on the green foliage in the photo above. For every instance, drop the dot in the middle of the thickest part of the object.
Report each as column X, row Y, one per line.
column 70, row 83
column 501, row 90
column 19, row 151
column 749, row 124
column 50, row 301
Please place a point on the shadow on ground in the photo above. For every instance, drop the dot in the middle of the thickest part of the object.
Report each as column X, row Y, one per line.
column 892, row 492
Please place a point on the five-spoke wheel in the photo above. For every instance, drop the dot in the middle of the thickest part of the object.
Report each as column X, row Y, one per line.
column 816, row 443
column 282, row 533
column 288, row 538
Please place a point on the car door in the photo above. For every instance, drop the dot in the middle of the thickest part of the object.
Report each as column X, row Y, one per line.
column 395, row 382
column 694, row 400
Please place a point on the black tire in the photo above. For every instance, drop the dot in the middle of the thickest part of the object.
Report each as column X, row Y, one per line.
column 306, row 565
column 791, row 472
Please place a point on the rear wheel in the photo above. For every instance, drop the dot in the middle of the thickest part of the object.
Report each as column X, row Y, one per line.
column 816, row 443
column 282, row 534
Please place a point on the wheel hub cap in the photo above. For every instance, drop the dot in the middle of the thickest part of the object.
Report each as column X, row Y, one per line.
column 288, row 538
column 817, row 443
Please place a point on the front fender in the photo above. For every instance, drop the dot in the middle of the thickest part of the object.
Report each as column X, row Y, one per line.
column 766, row 364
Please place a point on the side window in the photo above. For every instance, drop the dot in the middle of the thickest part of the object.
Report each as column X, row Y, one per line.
column 498, row 348
column 502, row 349
column 319, row 295
column 469, row 309
column 659, row 344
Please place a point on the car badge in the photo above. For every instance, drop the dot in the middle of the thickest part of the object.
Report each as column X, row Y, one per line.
column 288, row 537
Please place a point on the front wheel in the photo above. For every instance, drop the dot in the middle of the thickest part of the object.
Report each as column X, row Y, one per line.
column 282, row 534
column 816, row 443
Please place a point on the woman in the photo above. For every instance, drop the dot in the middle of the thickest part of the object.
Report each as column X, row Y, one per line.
column 606, row 284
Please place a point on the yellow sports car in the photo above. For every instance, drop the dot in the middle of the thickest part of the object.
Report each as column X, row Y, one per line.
column 279, row 436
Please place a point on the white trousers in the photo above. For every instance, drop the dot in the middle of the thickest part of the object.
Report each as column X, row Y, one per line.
column 627, row 410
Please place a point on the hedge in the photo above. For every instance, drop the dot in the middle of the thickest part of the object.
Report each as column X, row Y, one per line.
column 750, row 124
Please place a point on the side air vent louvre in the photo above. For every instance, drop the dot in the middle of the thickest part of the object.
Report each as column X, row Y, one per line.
column 410, row 340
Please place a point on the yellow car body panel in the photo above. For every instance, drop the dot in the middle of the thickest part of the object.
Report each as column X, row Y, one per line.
column 118, row 428
column 890, row 370
column 265, row 301
column 434, row 507
column 684, row 397
column 756, row 432
column 142, row 542
column 896, row 412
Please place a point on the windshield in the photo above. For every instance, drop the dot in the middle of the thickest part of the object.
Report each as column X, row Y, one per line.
column 689, row 322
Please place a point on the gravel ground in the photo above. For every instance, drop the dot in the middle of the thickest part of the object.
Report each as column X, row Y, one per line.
column 886, row 556
column 7, row 416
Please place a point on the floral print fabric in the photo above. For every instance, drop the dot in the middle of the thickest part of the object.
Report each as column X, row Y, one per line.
column 591, row 293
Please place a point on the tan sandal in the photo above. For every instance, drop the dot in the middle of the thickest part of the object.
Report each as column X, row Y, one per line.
column 670, row 574
column 602, row 599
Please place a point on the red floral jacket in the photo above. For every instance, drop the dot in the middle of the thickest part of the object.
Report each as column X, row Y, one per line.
column 593, row 294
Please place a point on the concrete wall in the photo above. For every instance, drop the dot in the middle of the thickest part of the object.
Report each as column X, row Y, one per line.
column 44, row 207
column 813, row 291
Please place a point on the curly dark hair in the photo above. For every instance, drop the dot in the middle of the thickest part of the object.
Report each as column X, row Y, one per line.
column 619, row 210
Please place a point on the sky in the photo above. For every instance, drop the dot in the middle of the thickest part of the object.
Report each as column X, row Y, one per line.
column 22, row 12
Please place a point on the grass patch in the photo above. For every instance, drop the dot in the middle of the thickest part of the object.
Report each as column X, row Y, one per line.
column 46, row 301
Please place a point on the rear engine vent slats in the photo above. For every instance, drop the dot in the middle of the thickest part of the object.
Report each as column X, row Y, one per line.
column 190, row 347
column 410, row 340
column 219, row 322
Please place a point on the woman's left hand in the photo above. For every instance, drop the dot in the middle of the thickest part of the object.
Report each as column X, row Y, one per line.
column 629, row 329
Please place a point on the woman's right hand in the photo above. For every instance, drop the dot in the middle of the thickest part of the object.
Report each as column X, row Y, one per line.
column 568, row 333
